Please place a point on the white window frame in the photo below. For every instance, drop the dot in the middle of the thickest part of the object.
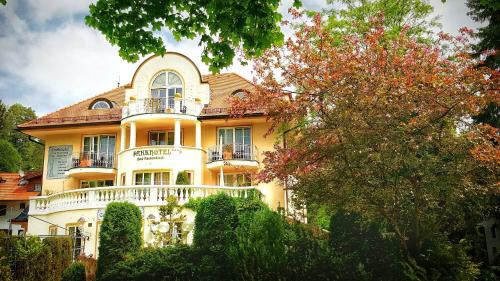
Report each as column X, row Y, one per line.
column 108, row 106
column 167, row 87
column 152, row 177
column 234, row 134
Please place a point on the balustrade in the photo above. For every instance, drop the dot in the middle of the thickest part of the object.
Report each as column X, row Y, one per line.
column 155, row 195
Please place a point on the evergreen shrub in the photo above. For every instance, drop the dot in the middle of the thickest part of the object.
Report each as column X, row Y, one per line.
column 75, row 272
column 120, row 235
column 182, row 178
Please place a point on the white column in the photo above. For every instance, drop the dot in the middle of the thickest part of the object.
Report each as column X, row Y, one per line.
column 123, row 138
column 198, row 134
column 221, row 179
column 177, row 132
column 132, row 134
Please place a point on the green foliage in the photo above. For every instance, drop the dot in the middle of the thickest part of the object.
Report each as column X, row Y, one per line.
column 215, row 223
column 170, row 263
column 354, row 16
column 182, row 178
column 10, row 160
column 261, row 247
column 364, row 250
column 76, row 272
column 30, row 259
column 487, row 11
column 308, row 256
column 443, row 260
column 223, row 27
column 215, row 236
column 120, row 235
column 61, row 251
column 31, row 153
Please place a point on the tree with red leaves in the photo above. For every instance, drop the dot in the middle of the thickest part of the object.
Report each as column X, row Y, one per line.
column 381, row 127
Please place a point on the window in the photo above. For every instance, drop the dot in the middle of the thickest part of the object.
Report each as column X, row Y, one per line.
column 152, row 178
column 162, row 138
column 53, row 230
column 123, row 179
column 237, row 135
column 239, row 94
column 101, row 104
column 493, row 230
column 38, row 187
column 3, row 210
column 162, row 178
column 166, row 85
column 75, row 231
column 95, row 183
column 156, row 138
column 142, row 179
column 235, row 180
column 22, row 206
column 234, row 143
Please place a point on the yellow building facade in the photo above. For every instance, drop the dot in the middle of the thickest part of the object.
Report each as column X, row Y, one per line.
column 131, row 143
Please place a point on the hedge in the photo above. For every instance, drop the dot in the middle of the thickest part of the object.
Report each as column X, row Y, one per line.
column 31, row 259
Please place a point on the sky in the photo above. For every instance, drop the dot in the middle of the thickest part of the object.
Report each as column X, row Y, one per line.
column 50, row 59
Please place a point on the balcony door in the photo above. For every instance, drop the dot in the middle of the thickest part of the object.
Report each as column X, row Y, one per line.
column 238, row 140
column 235, row 136
column 99, row 149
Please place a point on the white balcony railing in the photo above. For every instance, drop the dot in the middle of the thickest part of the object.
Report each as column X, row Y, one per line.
column 162, row 105
column 140, row 195
column 232, row 152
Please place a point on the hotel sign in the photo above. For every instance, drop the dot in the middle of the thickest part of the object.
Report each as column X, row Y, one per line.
column 154, row 153
column 59, row 161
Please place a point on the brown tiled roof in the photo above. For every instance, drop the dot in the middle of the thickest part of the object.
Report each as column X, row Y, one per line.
column 222, row 86
column 80, row 113
column 10, row 190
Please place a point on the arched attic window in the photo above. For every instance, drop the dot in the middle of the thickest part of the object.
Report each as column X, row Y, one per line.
column 241, row 94
column 101, row 104
column 166, row 85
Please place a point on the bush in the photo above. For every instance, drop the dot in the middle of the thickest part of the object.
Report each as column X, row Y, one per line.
column 261, row 247
column 360, row 251
column 215, row 235
column 182, row 178
column 76, row 272
column 61, row 251
column 120, row 235
column 308, row 255
column 171, row 263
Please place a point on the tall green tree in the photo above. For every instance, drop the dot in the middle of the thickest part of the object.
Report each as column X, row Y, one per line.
column 10, row 117
column 355, row 16
column 488, row 11
column 10, row 160
column 222, row 27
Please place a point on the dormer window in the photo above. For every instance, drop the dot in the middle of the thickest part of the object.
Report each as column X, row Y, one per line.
column 241, row 94
column 101, row 104
column 167, row 85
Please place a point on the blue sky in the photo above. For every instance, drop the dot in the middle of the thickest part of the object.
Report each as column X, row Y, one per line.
column 50, row 59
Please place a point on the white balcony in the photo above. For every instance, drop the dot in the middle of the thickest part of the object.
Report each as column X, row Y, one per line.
column 142, row 196
column 168, row 105
column 243, row 155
